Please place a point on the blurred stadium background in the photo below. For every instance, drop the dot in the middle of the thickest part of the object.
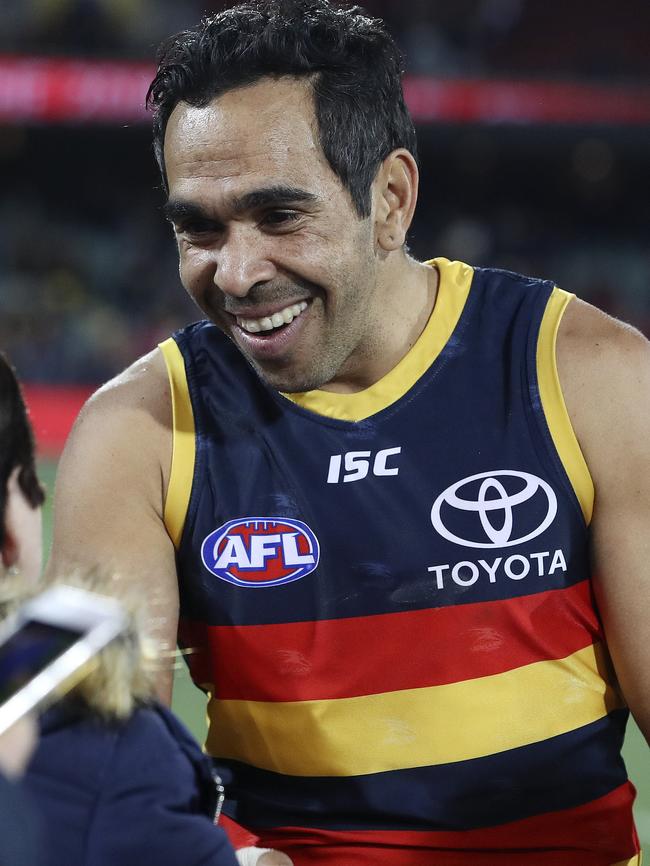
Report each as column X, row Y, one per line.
column 534, row 125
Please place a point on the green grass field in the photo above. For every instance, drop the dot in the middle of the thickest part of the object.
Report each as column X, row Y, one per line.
column 189, row 704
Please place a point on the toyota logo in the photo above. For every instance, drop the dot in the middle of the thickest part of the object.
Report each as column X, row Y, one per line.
column 495, row 509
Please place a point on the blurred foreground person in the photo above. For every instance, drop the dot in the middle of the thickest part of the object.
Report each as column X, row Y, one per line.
column 406, row 504
column 117, row 777
column 21, row 497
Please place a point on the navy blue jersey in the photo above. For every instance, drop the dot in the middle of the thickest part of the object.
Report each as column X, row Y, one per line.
column 389, row 596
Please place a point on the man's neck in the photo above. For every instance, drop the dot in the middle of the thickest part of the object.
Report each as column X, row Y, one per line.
column 406, row 300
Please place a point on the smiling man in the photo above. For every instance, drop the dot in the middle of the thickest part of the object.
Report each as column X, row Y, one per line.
column 274, row 250
column 402, row 507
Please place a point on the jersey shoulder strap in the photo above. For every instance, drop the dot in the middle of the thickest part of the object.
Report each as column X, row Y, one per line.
column 553, row 405
column 184, row 442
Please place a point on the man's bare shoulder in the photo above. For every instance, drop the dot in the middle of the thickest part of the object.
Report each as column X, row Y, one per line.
column 141, row 388
column 586, row 328
column 128, row 422
column 595, row 348
column 604, row 369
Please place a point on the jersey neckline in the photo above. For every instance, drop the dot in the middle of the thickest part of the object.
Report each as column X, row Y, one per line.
column 453, row 290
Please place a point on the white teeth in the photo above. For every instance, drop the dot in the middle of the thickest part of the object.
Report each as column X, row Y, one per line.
column 268, row 323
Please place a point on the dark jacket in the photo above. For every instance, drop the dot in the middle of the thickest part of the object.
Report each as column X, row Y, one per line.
column 129, row 794
column 20, row 827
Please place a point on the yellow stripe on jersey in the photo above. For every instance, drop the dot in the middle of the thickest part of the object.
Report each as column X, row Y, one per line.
column 183, row 452
column 557, row 417
column 453, row 290
column 415, row 727
column 635, row 861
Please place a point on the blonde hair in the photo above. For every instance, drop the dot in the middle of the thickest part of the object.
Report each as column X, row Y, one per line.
column 124, row 675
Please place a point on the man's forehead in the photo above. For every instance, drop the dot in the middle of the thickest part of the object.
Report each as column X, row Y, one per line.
column 239, row 135
column 271, row 113
column 234, row 173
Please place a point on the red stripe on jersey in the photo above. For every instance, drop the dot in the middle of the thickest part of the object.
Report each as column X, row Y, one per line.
column 238, row 836
column 599, row 833
column 339, row 658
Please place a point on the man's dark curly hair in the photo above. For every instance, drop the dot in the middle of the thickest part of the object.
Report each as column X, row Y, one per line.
column 351, row 61
column 16, row 443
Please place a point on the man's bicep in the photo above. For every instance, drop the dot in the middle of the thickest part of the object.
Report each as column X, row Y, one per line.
column 621, row 559
column 108, row 507
column 607, row 368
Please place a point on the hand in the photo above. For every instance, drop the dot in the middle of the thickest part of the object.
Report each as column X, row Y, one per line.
column 262, row 857
column 17, row 745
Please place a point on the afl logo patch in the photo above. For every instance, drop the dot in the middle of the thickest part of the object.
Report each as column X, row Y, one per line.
column 261, row 551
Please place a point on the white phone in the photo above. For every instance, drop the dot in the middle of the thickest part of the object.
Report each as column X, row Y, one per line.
column 49, row 644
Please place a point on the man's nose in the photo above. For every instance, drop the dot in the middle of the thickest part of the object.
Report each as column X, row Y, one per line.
column 242, row 261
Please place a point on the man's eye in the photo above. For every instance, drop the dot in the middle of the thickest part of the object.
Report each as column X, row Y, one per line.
column 196, row 227
column 280, row 218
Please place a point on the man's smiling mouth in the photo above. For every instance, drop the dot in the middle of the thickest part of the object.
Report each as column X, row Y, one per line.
column 270, row 323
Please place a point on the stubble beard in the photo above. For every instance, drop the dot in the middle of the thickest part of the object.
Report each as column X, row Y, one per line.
column 321, row 367
column 336, row 340
column 329, row 359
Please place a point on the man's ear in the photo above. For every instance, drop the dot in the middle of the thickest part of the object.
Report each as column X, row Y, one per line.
column 395, row 192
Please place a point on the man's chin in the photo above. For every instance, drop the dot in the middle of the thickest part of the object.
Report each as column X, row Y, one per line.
column 287, row 380
column 287, row 385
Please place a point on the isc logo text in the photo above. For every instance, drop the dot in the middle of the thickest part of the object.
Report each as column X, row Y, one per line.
column 358, row 464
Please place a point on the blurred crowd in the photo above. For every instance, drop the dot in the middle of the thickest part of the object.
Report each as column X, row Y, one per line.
column 88, row 275
column 83, row 296
column 457, row 37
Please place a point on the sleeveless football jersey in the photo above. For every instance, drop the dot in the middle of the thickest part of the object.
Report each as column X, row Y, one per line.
column 388, row 597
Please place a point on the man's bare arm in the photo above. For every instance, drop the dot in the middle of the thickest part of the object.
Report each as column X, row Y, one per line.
column 110, row 493
column 604, row 368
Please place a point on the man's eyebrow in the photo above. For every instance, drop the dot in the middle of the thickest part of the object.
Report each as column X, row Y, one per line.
column 272, row 195
column 176, row 211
